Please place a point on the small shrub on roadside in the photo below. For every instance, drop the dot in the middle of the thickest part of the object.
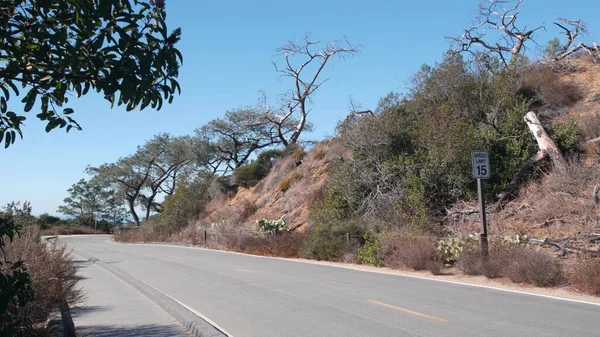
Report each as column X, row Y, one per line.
column 284, row 245
column 536, row 268
column 330, row 244
column 368, row 253
column 400, row 251
column 435, row 267
column 53, row 274
column 585, row 275
column 470, row 261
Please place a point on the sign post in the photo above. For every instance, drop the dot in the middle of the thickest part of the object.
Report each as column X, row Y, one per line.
column 481, row 171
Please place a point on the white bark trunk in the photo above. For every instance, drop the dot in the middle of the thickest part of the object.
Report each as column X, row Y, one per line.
column 547, row 147
column 545, row 143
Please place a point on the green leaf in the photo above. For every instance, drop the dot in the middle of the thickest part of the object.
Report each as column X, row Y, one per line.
column 3, row 106
column 68, row 111
column 8, row 140
column 29, row 100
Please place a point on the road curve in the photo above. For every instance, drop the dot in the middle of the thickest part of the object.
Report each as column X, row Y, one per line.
column 254, row 296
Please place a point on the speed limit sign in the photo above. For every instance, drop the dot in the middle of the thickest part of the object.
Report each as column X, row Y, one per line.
column 481, row 164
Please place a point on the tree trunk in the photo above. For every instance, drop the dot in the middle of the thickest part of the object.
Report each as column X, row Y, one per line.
column 131, row 204
column 547, row 147
column 545, row 143
column 299, row 129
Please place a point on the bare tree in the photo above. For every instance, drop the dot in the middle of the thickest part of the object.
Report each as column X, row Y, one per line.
column 304, row 66
column 499, row 16
column 572, row 30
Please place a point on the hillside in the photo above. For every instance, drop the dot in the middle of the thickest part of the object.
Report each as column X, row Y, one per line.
column 286, row 192
column 558, row 207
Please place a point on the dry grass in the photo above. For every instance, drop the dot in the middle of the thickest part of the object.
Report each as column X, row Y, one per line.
column 558, row 205
column 550, row 87
column 70, row 230
column 52, row 271
column 287, row 182
column 585, row 275
column 319, row 154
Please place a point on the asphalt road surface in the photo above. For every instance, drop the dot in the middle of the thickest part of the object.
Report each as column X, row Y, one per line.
column 254, row 296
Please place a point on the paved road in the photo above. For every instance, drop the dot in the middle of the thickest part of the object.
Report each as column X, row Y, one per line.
column 113, row 308
column 253, row 296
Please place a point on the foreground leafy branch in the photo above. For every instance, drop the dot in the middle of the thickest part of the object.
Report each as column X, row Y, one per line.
column 55, row 49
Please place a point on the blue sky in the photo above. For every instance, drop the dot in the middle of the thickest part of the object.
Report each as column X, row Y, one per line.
column 228, row 47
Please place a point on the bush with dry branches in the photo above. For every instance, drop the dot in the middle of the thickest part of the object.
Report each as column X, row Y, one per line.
column 52, row 271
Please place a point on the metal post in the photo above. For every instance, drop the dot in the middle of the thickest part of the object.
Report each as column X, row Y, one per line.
column 482, row 215
column 205, row 235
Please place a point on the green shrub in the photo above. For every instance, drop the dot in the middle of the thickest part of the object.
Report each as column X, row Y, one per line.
column 250, row 174
column 330, row 243
column 566, row 135
column 368, row 253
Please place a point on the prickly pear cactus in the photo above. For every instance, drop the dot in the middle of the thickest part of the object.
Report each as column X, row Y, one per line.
column 450, row 249
column 272, row 226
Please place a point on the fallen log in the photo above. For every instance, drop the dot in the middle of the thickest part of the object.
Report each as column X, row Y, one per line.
column 547, row 148
column 564, row 248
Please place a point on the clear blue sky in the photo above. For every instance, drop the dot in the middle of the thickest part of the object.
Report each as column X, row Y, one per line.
column 228, row 47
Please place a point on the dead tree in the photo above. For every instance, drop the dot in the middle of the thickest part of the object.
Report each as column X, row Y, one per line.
column 547, row 148
column 572, row 29
column 305, row 75
column 494, row 15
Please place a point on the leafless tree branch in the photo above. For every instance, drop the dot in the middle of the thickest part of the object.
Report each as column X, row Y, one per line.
column 304, row 66
column 500, row 16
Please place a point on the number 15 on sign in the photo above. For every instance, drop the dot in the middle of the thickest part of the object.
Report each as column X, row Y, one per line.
column 481, row 164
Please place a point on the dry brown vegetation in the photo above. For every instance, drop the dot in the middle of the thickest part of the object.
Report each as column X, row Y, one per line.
column 559, row 205
column 585, row 275
column 52, row 271
column 401, row 251
column 70, row 230
column 519, row 264
column 551, row 88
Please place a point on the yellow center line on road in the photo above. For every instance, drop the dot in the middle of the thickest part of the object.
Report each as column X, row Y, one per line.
column 408, row 311
column 247, row 271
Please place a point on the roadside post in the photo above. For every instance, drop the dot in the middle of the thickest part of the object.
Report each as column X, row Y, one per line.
column 481, row 171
